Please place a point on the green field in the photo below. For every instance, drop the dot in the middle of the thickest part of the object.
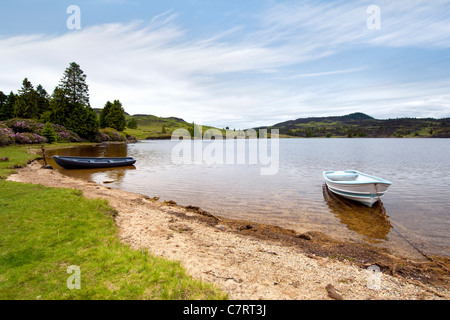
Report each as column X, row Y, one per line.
column 152, row 127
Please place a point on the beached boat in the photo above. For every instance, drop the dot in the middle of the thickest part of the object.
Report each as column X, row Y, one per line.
column 90, row 162
column 355, row 185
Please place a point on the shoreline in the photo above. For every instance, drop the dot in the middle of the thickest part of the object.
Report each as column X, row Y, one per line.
column 252, row 260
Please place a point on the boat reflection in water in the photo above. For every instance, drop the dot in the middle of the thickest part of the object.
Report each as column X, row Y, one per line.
column 370, row 222
column 97, row 174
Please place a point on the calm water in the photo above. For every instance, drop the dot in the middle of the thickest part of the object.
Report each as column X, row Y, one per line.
column 417, row 203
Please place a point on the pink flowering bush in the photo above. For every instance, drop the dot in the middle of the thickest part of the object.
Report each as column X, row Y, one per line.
column 24, row 125
column 26, row 131
column 66, row 135
column 6, row 135
column 103, row 137
column 109, row 134
column 28, row 138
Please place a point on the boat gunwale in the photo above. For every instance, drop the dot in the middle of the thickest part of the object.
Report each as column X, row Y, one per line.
column 99, row 159
column 376, row 180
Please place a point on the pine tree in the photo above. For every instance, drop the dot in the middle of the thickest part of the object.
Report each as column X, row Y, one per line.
column 49, row 133
column 113, row 116
column 70, row 104
column 25, row 105
column 60, row 108
column 83, row 121
column 7, row 111
column 3, row 99
column 105, row 119
column 74, row 85
column 42, row 101
column 132, row 124
column 118, row 114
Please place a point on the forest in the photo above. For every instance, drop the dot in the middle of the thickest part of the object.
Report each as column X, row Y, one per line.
column 33, row 116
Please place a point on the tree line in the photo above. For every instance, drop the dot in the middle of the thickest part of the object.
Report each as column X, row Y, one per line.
column 68, row 105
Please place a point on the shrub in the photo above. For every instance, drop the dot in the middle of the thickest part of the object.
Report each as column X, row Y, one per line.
column 112, row 135
column 28, row 138
column 48, row 132
column 31, row 131
column 65, row 135
column 6, row 135
column 24, row 125
column 131, row 138
column 101, row 137
column 132, row 124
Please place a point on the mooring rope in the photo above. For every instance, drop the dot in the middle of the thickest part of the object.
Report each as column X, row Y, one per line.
column 383, row 210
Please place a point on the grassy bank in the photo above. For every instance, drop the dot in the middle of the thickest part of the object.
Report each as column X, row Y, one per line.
column 17, row 156
column 46, row 230
column 20, row 155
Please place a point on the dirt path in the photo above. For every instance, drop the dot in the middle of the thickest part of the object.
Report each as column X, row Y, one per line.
column 255, row 261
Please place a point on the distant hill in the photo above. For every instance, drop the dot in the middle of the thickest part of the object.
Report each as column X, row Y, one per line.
column 356, row 124
column 148, row 120
column 154, row 127
column 362, row 125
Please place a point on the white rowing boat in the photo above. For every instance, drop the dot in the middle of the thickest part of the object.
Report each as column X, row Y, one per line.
column 357, row 186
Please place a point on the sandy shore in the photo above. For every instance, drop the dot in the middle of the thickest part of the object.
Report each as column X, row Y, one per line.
column 255, row 261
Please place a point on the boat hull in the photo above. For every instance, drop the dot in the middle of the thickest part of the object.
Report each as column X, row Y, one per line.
column 357, row 186
column 92, row 163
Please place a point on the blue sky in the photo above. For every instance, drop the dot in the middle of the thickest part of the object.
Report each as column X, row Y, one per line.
column 238, row 63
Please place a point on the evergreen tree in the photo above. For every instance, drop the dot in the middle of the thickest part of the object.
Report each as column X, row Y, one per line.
column 60, row 108
column 25, row 105
column 132, row 124
column 118, row 114
column 83, row 121
column 74, row 85
column 7, row 110
column 70, row 104
column 113, row 116
column 105, row 119
column 42, row 103
column 49, row 133
column 3, row 99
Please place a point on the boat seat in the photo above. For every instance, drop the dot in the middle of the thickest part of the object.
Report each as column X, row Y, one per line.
column 344, row 176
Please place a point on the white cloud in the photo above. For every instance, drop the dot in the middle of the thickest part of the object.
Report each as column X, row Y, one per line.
column 403, row 23
column 254, row 79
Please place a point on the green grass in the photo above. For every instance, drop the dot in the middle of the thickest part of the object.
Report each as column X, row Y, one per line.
column 151, row 127
column 46, row 230
column 20, row 155
column 17, row 157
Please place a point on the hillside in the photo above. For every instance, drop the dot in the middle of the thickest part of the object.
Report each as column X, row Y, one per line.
column 153, row 127
column 362, row 125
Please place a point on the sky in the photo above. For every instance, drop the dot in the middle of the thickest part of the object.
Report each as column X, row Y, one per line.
column 240, row 64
